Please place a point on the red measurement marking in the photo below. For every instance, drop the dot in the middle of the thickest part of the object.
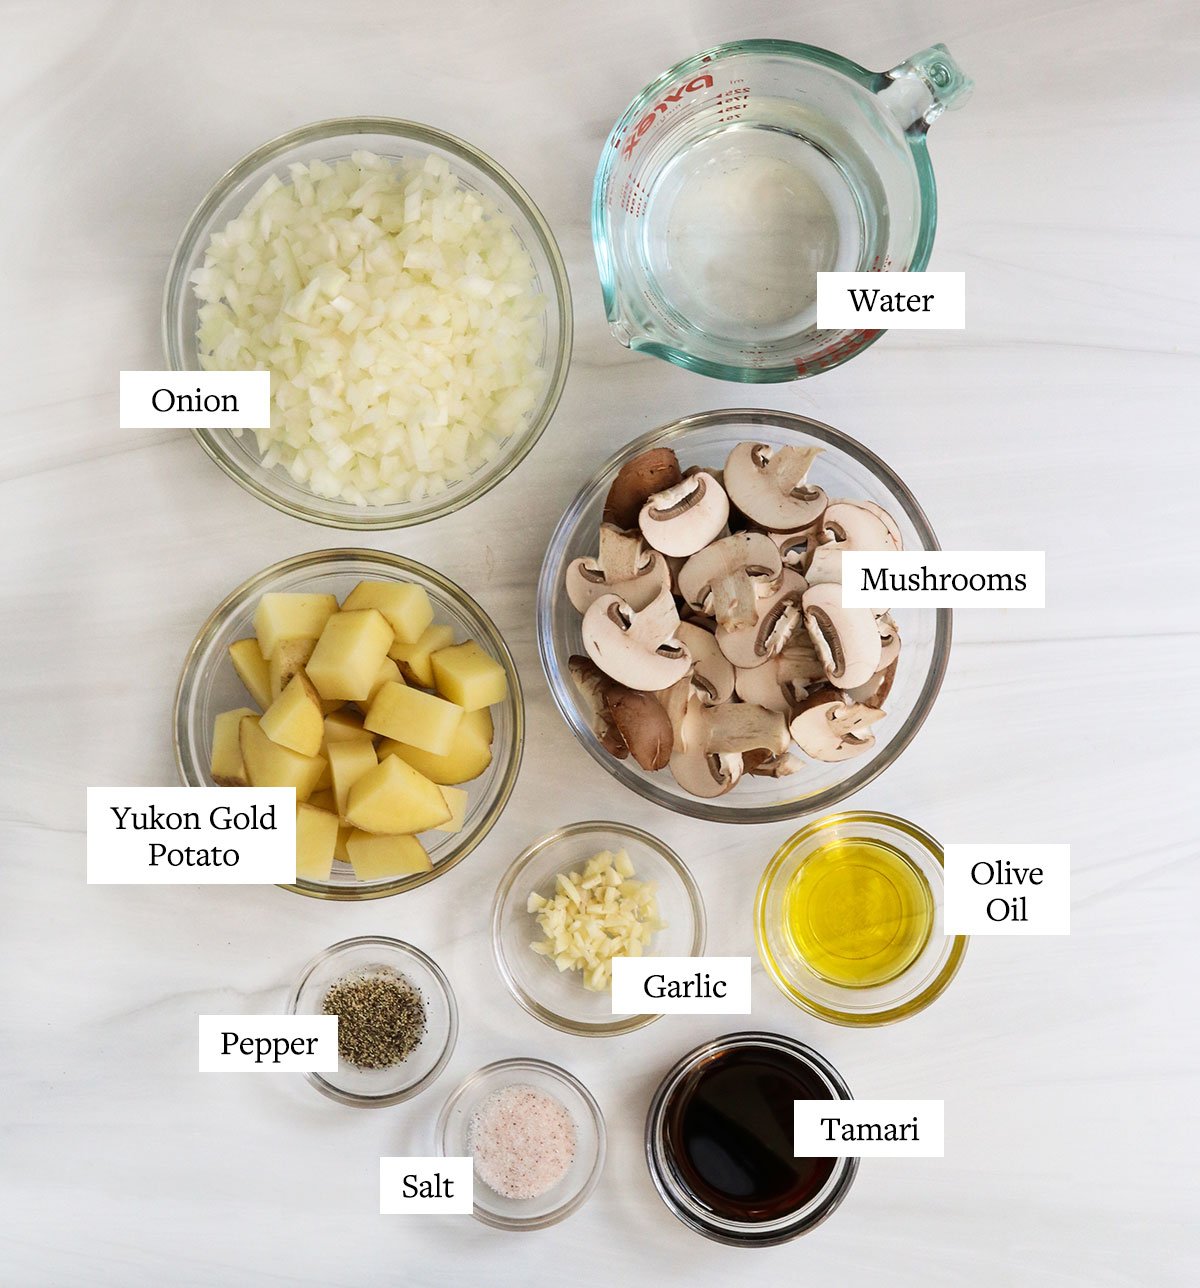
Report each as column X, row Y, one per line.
column 629, row 141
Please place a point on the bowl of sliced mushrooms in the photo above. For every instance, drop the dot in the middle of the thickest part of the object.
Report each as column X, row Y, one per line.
column 690, row 621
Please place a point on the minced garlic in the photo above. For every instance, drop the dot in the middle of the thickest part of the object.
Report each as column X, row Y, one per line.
column 596, row 915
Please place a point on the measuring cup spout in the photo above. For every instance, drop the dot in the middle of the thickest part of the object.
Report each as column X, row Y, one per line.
column 922, row 87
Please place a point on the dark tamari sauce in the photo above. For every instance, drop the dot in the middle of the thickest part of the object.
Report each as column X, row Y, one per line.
column 729, row 1134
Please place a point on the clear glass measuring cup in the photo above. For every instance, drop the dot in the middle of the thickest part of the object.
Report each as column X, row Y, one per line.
column 741, row 173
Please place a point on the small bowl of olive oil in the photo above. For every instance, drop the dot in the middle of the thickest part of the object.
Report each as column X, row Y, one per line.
column 849, row 919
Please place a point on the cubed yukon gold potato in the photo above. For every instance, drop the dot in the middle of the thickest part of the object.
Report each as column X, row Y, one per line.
column 346, row 726
column 316, row 836
column 322, row 798
column 325, row 782
column 288, row 658
column 469, row 755
column 414, row 659
column 349, row 654
column 284, row 615
column 376, row 857
column 294, row 719
column 467, row 676
column 420, row 719
column 457, row 800
column 348, row 761
column 253, row 670
column 270, row 765
column 339, row 850
column 226, row 765
column 394, row 798
column 406, row 607
column 389, row 673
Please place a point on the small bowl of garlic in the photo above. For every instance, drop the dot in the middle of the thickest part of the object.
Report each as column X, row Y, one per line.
column 575, row 900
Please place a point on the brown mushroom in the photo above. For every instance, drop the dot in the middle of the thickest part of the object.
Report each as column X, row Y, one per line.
column 591, row 682
column 776, row 616
column 830, row 726
column 770, row 486
column 726, row 578
column 697, row 770
column 744, row 726
column 712, row 672
column 642, row 723
column 767, row 764
column 638, row 480
column 625, row 566
column 846, row 639
column 683, row 519
column 637, row 649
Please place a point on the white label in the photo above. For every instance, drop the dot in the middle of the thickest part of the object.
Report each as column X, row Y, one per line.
column 897, row 301
column 944, row 578
column 268, row 1043
column 195, row 400
column 423, row 1186
column 191, row 835
column 681, row 985
column 1007, row 890
column 870, row 1128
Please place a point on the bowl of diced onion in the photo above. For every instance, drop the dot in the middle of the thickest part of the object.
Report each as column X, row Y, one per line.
column 408, row 299
column 577, row 898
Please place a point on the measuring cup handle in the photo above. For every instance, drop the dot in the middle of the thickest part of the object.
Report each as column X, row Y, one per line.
column 922, row 87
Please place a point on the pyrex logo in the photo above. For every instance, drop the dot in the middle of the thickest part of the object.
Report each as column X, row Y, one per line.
column 630, row 140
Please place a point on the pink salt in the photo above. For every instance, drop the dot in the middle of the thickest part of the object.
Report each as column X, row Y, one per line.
column 523, row 1141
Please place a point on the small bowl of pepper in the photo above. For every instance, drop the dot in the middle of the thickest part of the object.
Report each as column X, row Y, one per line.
column 397, row 1018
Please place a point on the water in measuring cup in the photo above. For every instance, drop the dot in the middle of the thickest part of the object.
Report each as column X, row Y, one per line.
column 739, row 223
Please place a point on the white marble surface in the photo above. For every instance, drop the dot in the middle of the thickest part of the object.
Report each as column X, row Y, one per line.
column 1062, row 418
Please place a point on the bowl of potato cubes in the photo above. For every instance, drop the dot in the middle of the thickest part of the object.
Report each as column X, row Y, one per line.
column 376, row 688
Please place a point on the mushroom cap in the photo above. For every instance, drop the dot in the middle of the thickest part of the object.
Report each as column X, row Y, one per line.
column 766, row 764
column 585, row 582
column 642, row 723
column 638, row 480
column 769, row 486
column 853, row 527
column 727, row 574
column 683, row 519
column 777, row 616
column 831, row 727
column 876, row 690
column 712, row 672
column 893, row 528
column 766, row 686
column 637, row 649
column 846, row 639
column 592, row 682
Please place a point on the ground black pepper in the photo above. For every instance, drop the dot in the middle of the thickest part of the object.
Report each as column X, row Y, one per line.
column 381, row 1019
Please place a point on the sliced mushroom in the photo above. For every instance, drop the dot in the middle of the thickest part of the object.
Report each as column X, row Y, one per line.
column 799, row 663
column 793, row 547
column 727, row 577
column 773, row 685
column 638, row 480
column 853, row 527
column 766, row 764
column 624, row 566
column 683, row 519
column 776, row 617
column 712, row 672
column 889, row 639
column 642, row 723
column 697, row 770
column 745, row 726
column 875, row 692
column 830, row 726
column 889, row 523
column 637, row 649
column 846, row 639
column 770, row 486
column 591, row 682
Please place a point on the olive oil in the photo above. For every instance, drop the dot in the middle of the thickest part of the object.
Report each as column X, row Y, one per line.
column 858, row 912
column 728, row 1134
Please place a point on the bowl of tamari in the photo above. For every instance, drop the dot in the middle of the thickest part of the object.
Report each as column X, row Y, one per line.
column 848, row 919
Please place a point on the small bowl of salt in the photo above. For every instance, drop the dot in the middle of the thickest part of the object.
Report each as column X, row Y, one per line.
column 537, row 1138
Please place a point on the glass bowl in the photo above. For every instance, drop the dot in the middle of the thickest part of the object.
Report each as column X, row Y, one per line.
column 697, row 1212
column 570, row 1194
column 372, row 955
column 919, row 984
column 332, row 141
column 558, row 998
column 209, row 685
column 845, row 469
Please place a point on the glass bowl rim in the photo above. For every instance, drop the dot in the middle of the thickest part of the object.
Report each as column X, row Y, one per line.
column 507, row 882
column 555, row 1073
column 713, row 811
column 741, row 1233
column 175, row 346
column 639, row 107
column 190, row 775
column 776, row 864
column 404, row 950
